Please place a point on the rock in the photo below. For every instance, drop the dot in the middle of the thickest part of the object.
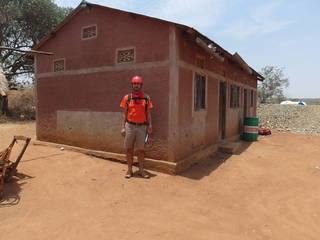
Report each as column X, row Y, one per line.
column 296, row 119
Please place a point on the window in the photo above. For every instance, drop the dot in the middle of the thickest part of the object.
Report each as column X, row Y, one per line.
column 125, row 55
column 89, row 32
column 199, row 92
column 234, row 96
column 58, row 65
column 252, row 98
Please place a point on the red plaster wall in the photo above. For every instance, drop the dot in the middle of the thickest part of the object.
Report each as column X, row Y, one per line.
column 102, row 91
column 197, row 130
column 116, row 29
column 188, row 51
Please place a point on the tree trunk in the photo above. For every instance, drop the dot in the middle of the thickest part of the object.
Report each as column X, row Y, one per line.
column 4, row 105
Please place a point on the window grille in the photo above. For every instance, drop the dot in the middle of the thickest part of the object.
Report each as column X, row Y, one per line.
column 125, row 56
column 89, row 32
column 58, row 65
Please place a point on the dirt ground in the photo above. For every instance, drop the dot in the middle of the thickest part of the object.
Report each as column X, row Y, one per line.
column 269, row 190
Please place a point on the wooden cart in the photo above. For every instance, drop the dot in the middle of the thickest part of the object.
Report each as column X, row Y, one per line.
column 9, row 168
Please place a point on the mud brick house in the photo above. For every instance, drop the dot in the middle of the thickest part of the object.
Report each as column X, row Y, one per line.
column 201, row 92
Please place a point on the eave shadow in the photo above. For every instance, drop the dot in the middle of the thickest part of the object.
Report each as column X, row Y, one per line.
column 210, row 164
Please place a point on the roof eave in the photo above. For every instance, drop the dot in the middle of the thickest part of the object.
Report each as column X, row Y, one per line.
column 221, row 51
column 246, row 67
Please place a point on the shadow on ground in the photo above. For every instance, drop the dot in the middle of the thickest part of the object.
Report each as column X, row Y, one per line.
column 46, row 157
column 210, row 164
column 12, row 190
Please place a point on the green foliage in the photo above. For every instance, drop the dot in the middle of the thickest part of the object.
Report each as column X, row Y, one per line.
column 22, row 25
column 271, row 89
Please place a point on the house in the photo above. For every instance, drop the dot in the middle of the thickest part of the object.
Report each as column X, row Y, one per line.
column 201, row 92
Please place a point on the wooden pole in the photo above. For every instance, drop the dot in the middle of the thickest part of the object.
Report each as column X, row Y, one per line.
column 26, row 51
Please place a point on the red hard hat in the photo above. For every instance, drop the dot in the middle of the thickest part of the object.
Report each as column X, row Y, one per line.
column 137, row 79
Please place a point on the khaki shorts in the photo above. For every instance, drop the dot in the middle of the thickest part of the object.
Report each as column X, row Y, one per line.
column 135, row 136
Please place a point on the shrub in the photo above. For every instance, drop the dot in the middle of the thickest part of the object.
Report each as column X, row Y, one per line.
column 22, row 104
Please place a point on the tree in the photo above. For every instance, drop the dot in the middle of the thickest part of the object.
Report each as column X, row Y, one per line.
column 3, row 82
column 272, row 87
column 22, row 25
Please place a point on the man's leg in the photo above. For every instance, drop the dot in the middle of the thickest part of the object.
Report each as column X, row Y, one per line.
column 139, row 146
column 142, row 172
column 129, row 146
column 140, row 154
column 129, row 161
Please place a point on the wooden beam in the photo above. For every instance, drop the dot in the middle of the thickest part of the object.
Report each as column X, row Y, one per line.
column 26, row 51
column 211, row 51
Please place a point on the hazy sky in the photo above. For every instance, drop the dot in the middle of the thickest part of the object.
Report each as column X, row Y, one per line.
column 283, row 33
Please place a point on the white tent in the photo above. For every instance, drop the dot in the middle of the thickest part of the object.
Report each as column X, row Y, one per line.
column 293, row 103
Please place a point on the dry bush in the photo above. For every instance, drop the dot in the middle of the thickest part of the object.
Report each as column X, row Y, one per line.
column 22, row 104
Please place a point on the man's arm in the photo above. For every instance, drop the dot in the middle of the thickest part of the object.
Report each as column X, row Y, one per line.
column 149, row 120
column 123, row 121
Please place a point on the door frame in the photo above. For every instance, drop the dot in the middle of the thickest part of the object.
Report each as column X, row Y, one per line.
column 222, row 109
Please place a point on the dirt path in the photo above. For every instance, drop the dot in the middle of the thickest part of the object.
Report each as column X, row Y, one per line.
column 269, row 191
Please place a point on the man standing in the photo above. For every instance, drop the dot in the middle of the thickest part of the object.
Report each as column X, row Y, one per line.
column 136, row 124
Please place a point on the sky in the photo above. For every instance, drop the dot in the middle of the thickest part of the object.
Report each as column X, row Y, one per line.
column 281, row 33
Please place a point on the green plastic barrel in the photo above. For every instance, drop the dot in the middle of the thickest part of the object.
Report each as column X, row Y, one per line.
column 250, row 129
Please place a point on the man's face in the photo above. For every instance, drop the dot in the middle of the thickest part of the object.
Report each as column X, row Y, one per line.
column 136, row 87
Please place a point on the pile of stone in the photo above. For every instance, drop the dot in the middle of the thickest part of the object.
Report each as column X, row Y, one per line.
column 290, row 118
